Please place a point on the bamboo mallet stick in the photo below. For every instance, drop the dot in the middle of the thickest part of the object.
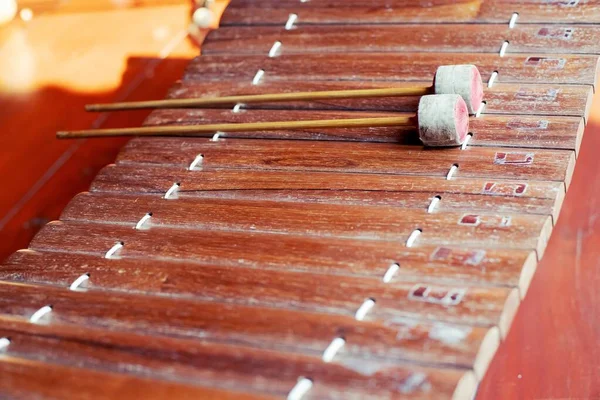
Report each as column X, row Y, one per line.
column 442, row 120
column 262, row 98
column 464, row 80
column 210, row 129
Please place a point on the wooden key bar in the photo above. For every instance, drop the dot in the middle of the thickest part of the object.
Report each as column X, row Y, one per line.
column 355, row 189
column 426, row 344
column 22, row 377
column 443, row 265
column 129, row 178
column 276, row 12
column 348, row 157
column 435, row 264
column 489, row 130
column 500, row 98
column 484, row 230
column 226, row 370
column 533, row 68
column 438, row 38
column 335, row 294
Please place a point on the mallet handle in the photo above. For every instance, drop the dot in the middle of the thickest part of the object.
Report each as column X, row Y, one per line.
column 209, row 130
column 263, row 98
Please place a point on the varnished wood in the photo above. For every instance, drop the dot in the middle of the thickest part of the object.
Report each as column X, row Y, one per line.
column 339, row 295
column 130, row 177
column 356, row 189
column 485, row 230
column 451, row 265
column 487, row 130
column 569, row 356
column 349, row 157
column 531, row 68
column 435, row 38
column 294, row 235
column 196, row 369
column 422, row 343
column 22, row 378
column 396, row 11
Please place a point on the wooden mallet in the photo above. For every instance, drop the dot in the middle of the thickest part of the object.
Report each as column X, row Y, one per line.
column 463, row 80
column 442, row 120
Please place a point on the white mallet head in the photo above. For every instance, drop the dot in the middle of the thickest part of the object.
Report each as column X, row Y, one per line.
column 464, row 80
column 443, row 120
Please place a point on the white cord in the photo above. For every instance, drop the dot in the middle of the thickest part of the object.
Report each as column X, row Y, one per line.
column 300, row 389
column 79, row 281
column 291, row 21
column 503, row 48
column 197, row 161
column 364, row 309
column 492, row 79
column 433, row 204
column 40, row 313
column 451, row 172
column 331, row 350
column 391, row 271
column 111, row 252
column 513, row 20
column 258, row 76
column 274, row 52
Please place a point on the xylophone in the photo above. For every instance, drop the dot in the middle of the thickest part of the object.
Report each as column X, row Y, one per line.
column 347, row 262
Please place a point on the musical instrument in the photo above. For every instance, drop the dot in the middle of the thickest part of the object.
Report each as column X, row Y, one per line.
column 345, row 263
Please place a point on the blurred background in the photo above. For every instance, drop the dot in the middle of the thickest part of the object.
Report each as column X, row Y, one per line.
column 58, row 55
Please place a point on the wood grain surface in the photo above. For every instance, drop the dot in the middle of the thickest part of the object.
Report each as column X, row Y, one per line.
column 274, row 12
column 483, row 230
column 23, row 378
column 487, row 130
column 349, row 157
column 334, row 256
column 512, row 68
column 356, row 189
column 286, row 289
column 296, row 332
column 130, row 178
column 187, row 368
column 435, row 38
column 501, row 98
column 233, row 265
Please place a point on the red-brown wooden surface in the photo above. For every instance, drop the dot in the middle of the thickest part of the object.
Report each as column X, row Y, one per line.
column 552, row 350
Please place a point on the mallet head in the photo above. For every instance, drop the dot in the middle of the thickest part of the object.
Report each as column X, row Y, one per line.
column 463, row 80
column 443, row 120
